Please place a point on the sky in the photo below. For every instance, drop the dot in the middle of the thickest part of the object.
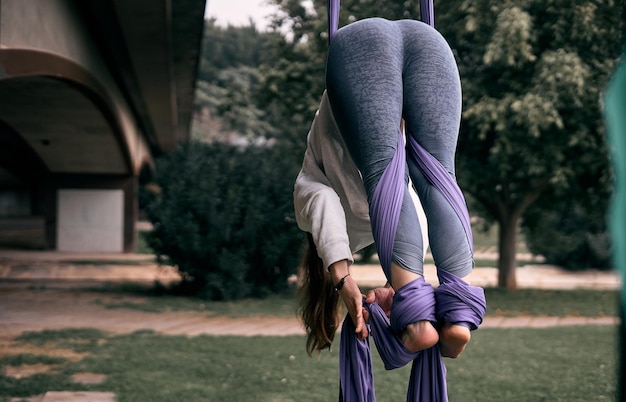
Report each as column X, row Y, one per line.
column 238, row 12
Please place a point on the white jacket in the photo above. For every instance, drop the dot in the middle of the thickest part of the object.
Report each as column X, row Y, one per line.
column 329, row 197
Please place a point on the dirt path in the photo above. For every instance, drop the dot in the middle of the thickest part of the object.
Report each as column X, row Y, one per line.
column 28, row 302
column 26, row 307
column 35, row 310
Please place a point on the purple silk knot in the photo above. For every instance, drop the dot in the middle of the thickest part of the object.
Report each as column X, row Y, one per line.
column 458, row 302
column 413, row 302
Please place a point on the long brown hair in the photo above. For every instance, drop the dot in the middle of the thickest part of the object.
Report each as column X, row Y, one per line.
column 318, row 302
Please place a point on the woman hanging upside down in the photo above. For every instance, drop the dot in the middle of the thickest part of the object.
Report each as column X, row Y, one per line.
column 380, row 73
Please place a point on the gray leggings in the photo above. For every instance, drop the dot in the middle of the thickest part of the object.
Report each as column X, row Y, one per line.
column 379, row 72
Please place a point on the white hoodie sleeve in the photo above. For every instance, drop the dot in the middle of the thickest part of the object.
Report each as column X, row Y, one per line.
column 318, row 208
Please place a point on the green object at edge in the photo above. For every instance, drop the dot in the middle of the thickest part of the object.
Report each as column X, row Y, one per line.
column 616, row 128
column 615, row 114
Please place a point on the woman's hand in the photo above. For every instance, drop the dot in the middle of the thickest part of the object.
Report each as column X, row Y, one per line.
column 351, row 296
column 383, row 297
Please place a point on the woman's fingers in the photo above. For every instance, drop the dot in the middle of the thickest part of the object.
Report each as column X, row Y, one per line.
column 382, row 296
column 371, row 296
column 353, row 300
column 361, row 328
column 358, row 318
column 361, row 332
column 366, row 315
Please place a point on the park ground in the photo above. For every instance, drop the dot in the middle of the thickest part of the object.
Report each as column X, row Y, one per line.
column 54, row 291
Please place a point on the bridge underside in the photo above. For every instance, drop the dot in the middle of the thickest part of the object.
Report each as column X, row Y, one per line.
column 90, row 93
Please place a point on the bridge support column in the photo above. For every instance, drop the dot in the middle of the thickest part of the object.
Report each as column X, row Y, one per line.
column 91, row 213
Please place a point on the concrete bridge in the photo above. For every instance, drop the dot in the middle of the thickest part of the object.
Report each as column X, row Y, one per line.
column 90, row 93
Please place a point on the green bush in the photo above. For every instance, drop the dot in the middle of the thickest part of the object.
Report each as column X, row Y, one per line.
column 224, row 217
column 569, row 235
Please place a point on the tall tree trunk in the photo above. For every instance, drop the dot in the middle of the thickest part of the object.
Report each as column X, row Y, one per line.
column 507, row 246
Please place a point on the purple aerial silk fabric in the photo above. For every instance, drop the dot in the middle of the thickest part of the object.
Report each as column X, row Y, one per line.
column 356, row 379
column 385, row 206
column 439, row 177
column 428, row 373
column 387, row 198
column 427, row 381
column 333, row 18
column 413, row 302
column 459, row 302
column 427, row 12
column 456, row 300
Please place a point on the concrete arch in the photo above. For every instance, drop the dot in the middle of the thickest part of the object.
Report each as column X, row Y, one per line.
column 85, row 138
column 74, row 113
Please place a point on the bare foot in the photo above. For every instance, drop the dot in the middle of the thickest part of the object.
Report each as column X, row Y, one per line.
column 420, row 336
column 452, row 339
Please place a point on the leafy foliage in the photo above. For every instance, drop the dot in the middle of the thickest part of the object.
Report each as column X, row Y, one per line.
column 532, row 74
column 532, row 145
column 573, row 233
column 229, row 80
column 532, row 132
column 224, row 218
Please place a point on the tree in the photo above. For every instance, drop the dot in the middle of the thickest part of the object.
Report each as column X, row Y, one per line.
column 532, row 75
column 231, row 47
column 229, row 80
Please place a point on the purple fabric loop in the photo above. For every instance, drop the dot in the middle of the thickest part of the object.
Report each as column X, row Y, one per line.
column 458, row 302
column 413, row 302
column 386, row 204
column 388, row 343
column 439, row 177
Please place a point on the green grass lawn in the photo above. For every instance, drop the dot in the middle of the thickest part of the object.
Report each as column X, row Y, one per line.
column 575, row 363
column 551, row 364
